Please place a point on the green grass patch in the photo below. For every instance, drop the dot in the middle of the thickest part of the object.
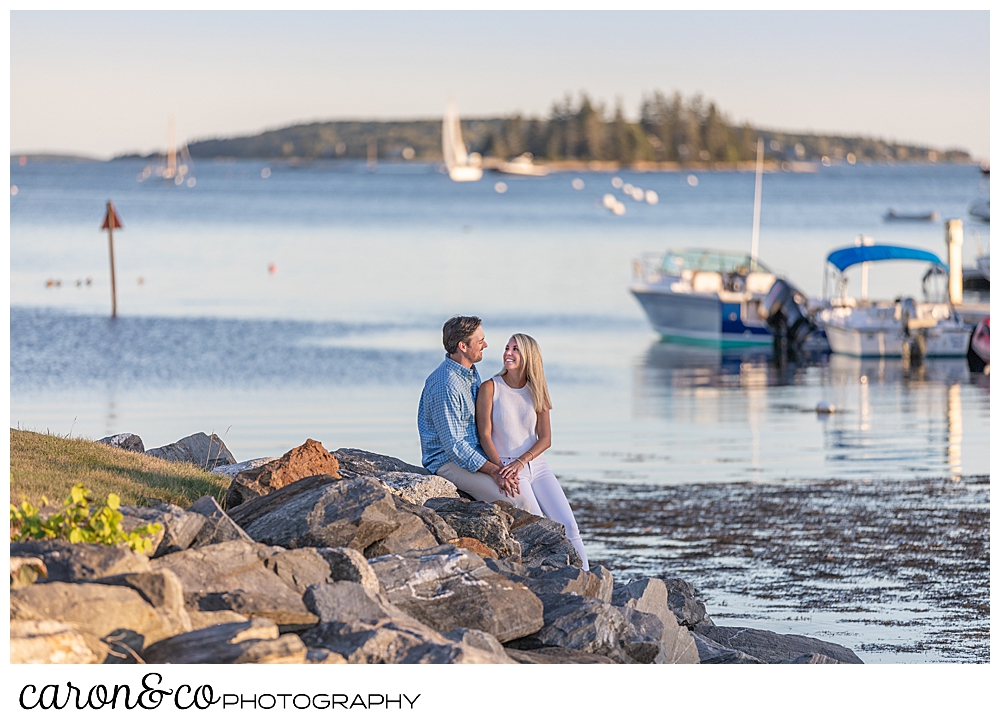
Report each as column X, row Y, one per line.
column 50, row 465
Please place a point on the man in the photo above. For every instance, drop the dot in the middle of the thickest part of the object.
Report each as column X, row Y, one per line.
column 446, row 418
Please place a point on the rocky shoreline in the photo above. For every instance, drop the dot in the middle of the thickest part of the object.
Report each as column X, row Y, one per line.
column 354, row 557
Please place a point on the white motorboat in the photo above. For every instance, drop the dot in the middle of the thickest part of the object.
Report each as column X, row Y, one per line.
column 897, row 328
column 700, row 296
column 460, row 164
column 523, row 165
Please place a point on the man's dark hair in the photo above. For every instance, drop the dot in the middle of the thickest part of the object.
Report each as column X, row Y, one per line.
column 459, row 329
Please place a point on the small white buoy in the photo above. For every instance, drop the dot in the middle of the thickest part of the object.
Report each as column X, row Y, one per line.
column 500, row 187
column 191, row 182
column 13, row 190
column 652, row 198
column 578, row 184
column 265, row 172
column 627, row 189
column 692, row 180
column 619, row 209
column 617, row 182
column 609, row 201
column 637, row 194
column 825, row 408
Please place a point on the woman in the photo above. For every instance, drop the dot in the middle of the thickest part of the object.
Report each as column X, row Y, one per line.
column 512, row 416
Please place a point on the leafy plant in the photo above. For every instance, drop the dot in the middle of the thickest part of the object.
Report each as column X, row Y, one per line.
column 77, row 523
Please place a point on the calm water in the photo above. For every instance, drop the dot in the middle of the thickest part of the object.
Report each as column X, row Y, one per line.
column 336, row 342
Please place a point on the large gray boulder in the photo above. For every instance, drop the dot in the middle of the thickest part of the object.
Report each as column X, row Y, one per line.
column 68, row 562
column 124, row 441
column 108, row 617
column 686, row 603
column 588, row 625
column 556, row 655
column 568, row 579
column 395, row 641
column 204, row 451
column 346, row 564
column 437, row 525
column 161, row 589
column 649, row 595
column 773, row 648
column 411, row 534
column 448, row 588
column 710, row 652
column 180, row 527
column 217, row 527
column 348, row 601
column 353, row 512
column 231, row 471
column 543, row 541
column 232, row 576
column 257, row 641
column 476, row 639
column 416, row 488
column 48, row 642
column 361, row 462
column 300, row 568
column 642, row 636
column 483, row 521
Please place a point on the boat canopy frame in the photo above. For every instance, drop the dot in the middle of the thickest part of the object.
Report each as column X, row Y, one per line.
column 848, row 256
column 699, row 259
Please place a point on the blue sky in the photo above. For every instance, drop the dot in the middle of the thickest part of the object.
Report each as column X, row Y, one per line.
column 103, row 83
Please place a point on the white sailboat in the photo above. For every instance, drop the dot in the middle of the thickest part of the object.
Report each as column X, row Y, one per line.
column 171, row 171
column 456, row 157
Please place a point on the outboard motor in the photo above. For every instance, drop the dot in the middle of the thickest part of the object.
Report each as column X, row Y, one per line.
column 784, row 310
column 914, row 335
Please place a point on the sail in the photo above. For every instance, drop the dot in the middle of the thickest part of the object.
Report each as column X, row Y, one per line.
column 461, row 167
column 455, row 153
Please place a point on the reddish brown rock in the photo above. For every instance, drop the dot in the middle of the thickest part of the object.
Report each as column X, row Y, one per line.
column 308, row 459
column 474, row 546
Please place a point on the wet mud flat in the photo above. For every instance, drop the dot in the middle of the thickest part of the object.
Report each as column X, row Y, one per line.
column 896, row 570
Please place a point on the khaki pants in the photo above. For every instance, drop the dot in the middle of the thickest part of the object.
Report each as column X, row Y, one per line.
column 482, row 487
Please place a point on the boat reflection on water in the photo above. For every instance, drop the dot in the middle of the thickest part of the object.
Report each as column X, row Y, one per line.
column 846, row 369
column 728, row 415
column 679, row 365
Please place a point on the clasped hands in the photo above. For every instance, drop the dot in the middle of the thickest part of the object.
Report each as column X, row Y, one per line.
column 507, row 478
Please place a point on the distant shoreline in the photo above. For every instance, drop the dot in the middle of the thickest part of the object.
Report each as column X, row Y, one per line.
column 559, row 166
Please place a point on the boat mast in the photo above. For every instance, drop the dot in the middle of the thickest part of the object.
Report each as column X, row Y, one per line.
column 756, row 204
column 171, row 146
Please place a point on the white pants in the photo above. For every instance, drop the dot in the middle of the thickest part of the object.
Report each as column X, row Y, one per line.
column 537, row 481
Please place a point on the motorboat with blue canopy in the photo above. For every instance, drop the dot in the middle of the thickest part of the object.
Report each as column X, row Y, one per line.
column 902, row 327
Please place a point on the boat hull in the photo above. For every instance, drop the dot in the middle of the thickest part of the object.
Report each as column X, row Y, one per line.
column 701, row 319
column 888, row 341
column 465, row 173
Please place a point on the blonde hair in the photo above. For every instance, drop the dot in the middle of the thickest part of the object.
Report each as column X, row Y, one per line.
column 534, row 372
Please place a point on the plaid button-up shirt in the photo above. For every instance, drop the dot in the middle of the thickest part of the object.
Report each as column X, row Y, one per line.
column 447, row 418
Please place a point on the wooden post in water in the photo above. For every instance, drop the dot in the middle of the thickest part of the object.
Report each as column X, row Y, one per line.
column 953, row 239
column 112, row 222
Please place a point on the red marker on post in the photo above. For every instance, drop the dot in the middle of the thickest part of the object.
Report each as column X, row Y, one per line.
column 111, row 222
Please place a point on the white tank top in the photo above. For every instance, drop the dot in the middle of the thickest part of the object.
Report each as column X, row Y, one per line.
column 514, row 419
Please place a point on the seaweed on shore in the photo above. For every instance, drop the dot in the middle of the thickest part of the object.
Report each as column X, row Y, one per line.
column 906, row 562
